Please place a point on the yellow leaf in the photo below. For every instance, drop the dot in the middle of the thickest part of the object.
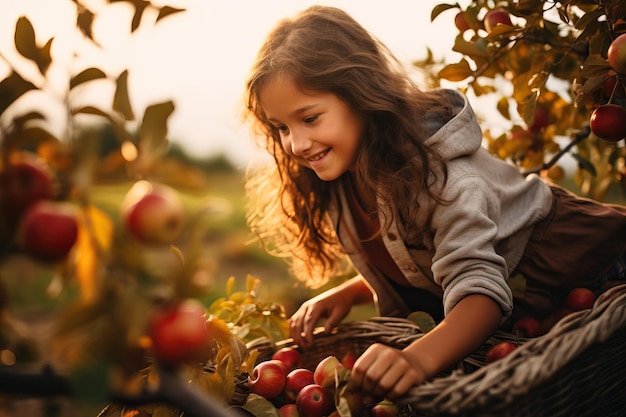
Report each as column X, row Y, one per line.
column 220, row 330
column 251, row 283
column 456, row 72
column 230, row 285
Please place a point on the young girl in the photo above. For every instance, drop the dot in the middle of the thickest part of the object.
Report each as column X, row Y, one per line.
column 369, row 168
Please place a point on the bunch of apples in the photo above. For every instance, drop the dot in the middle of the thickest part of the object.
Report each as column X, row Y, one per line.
column 297, row 391
column 45, row 227
column 577, row 299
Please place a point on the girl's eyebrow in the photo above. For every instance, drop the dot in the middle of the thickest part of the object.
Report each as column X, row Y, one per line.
column 297, row 111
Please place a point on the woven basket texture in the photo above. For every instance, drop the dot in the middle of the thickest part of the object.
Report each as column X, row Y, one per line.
column 577, row 369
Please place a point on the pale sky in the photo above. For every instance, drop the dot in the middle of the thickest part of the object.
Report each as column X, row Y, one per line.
column 200, row 58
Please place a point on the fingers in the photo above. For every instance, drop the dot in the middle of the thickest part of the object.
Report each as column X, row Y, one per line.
column 302, row 324
column 383, row 372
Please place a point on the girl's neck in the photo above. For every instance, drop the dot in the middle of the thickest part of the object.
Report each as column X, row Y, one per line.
column 364, row 200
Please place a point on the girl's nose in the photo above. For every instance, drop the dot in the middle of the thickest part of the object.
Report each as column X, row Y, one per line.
column 300, row 144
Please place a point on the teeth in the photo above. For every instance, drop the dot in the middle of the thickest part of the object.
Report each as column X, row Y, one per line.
column 318, row 156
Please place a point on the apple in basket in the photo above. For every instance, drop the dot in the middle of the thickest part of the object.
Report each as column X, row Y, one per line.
column 267, row 379
column 384, row 408
column 527, row 326
column 499, row 351
column 326, row 370
column 296, row 380
column 288, row 410
column 579, row 299
column 314, row 401
column 348, row 359
column 290, row 357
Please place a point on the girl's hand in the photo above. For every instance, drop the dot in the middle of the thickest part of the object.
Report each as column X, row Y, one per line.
column 383, row 372
column 333, row 305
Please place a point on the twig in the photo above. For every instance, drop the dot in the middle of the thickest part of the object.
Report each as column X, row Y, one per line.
column 582, row 134
column 171, row 390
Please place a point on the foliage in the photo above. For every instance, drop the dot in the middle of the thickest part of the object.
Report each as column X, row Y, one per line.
column 115, row 282
column 547, row 72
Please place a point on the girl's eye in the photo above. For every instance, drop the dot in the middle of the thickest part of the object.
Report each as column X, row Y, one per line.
column 282, row 128
column 311, row 119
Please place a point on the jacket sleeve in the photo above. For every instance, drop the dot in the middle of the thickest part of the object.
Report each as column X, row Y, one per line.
column 464, row 233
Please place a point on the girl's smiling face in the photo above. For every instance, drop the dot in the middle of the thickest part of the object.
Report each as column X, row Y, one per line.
column 317, row 128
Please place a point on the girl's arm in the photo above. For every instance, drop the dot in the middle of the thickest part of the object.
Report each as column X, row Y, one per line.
column 386, row 372
column 333, row 305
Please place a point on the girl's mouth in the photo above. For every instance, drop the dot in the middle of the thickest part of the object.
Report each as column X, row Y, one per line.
column 319, row 156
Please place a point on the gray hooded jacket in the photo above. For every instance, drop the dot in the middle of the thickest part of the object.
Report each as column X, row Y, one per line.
column 473, row 243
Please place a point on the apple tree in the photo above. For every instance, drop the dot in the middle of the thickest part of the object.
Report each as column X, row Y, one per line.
column 128, row 287
column 554, row 71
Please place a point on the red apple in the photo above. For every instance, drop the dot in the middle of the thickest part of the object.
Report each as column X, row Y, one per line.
column 48, row 230
column 495, row 17
column 25, row 180
column 579, row 299
column 527, row 327
column 607, row 122
column 617, row 54
column 326, row 370
column 314, row 401
column 612, row 85
column 499, row 351
column 542, row 119
column 553, row 318
column 384, row 408
column 460, row 21
column 295, row 381
column 348, row 359
column 289, row 356
column 152, row 213
column 179, row 333
column 288, row 410
column 268, row 379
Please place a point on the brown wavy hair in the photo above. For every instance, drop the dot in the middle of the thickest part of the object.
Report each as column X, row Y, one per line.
column 325, row 49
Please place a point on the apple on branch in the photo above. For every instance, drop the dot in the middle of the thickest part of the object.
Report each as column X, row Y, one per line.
column 179, row 333
column 153, row 213
column 607, row 122
column 48, row 230
column 616, row 54
column 496, row 17
column 25, row 180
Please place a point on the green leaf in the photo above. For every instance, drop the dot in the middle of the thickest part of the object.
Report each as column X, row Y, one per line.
column 12, row 88
column 259, row 406
column 423, row 320
column 87, row 75
column 517, row 284
column 440, row 8
column 121, row 100
column 153, row 130
column 25, row 41
column 167, row 11
column 84, row 22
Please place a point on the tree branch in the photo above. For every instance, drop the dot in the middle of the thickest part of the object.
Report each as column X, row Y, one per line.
column 171, row 390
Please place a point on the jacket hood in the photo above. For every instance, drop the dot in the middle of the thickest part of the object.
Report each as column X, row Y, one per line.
column 461, row 135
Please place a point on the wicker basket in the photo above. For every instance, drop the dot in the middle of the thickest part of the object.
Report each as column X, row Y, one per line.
column 577, row 369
